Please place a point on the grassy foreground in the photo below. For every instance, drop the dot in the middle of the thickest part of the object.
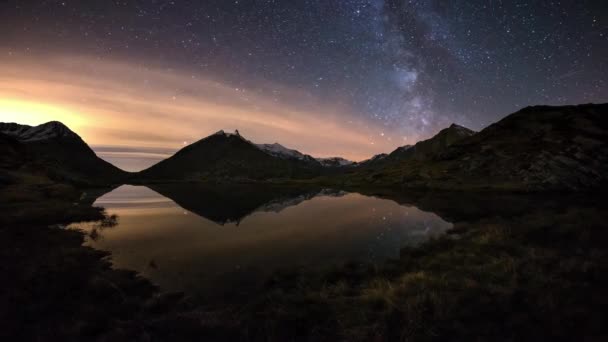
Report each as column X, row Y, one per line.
column 534, row 278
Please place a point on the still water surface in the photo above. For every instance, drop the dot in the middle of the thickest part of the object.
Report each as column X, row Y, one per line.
column 224, row 242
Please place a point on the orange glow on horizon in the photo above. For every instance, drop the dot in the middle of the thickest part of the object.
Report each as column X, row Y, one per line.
column 32, row 113
column 122, row 105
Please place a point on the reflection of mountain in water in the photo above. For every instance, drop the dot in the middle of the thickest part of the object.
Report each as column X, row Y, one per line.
column 231, row 203
column 225, row 204
column 282, row 203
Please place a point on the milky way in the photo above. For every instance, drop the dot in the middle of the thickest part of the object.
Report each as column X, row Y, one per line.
column 398, row 70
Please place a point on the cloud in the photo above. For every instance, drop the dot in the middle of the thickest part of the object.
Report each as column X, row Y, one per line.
column 121, row 103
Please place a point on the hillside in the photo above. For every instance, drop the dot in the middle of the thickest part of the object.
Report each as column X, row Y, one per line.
column 536, row 148
column 54, row 151
column 423, row 150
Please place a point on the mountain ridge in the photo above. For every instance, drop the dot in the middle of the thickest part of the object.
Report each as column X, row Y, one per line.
column 535, row 148
column 538, row 148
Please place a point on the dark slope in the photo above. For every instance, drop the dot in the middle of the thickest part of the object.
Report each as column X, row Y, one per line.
column 12, row 152
column 537, row 148
column 226, row 157
column 12, row 157
column 430, row 148
column 425, row 149
column 53, row 150
column 541, row 147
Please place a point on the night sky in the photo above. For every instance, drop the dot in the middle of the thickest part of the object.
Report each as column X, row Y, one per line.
column 329, row 77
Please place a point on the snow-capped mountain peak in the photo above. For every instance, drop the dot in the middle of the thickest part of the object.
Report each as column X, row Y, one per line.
column 47, row 131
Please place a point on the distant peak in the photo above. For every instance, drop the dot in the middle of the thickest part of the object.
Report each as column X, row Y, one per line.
column 222, row 132
column 460, row 129
column 278, row 150
column 335, row 162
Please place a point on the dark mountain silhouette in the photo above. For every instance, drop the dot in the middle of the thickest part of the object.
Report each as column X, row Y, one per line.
column 537, row 148
column 228, row 156
column 425, row 149
column 374, row 159
column 12, row 152
column 53, row 150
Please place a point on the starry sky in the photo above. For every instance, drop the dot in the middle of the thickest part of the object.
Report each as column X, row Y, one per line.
column 327, row 77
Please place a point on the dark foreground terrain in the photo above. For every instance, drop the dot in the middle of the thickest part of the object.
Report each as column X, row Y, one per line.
column 520, row 272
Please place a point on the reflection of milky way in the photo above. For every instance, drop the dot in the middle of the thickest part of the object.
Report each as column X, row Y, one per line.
column 374, row 74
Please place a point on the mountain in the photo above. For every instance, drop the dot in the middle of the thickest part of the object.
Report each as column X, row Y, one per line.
column 228, row 156
column 45, row 132
column 335, row 162
column 12, row 154
column 12, row 157
column 54, row 150
column 280, row 151
column 373, row 159
column 440, row 142
column 537, row 148
column 425, row 149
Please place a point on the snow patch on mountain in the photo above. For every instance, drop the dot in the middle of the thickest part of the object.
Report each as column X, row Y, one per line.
column 47, row 131
column 280, row 151
column 335, row 162
column 461, row 130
